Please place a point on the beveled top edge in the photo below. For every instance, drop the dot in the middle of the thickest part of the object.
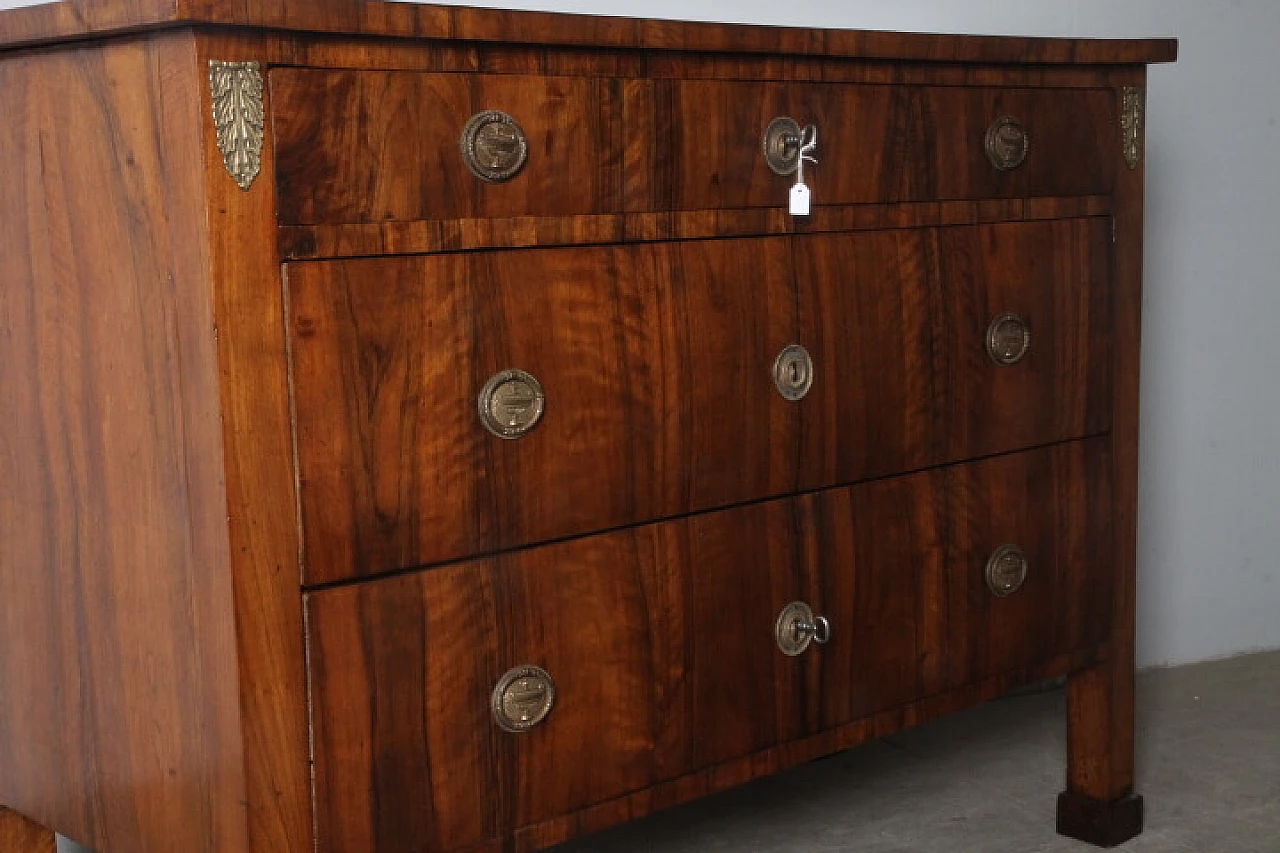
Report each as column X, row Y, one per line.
column 69, row 20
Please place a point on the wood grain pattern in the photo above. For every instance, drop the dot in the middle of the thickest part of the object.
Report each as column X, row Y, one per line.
column 19, row 835
column 279, row 48
column 304, row 242
column 605, row 145
column 77, row 18
column 1055, row 504
column 1055, row 276
column 419, row 765
column 261, row 508
column 656, row 361
column 875, row 567
column 1099, row 804
column 660, row 638
column 871, row 316
column 656, row 365
column 406, row 161
column 697, row 144
column 118, row 658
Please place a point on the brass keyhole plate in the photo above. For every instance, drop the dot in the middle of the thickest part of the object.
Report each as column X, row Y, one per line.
column 1007, row 143
column 791, row 640
column 523, row 698
column 1008, row 339
column 793, row 372
column 782, row 146
column 511, row 404
column 494, row 146
column 1006, row 570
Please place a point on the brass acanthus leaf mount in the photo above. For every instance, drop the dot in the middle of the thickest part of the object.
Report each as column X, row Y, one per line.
column 238, row 117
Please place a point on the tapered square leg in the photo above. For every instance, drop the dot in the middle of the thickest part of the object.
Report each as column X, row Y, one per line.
column 1099, row 806
column 19, row 835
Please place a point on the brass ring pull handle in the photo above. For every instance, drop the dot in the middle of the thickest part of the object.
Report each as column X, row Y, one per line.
column 1008, row 339
column 1006, row 570
column 511, row 403
column 494, row 146
column 1007, row 143
column 793, row 372
column 797, row 627
column 522, row 699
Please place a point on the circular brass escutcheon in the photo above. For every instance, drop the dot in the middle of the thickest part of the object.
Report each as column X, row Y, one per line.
column 793, row 372
column 1007, row 143
column 1008, row 339
column 494, row 146
column 797, row 627
column 1006, row 570
column 782, row 145
column 523, row 698
column 511, row 404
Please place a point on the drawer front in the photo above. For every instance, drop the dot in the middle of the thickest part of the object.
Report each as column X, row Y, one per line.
column 374, row 146
column 656, row 365
column 898, row 325
column 654, row 361
column 379, row 146
column 1049, row 281
column 1055, row 507
column 661, row 643
column 875, row 143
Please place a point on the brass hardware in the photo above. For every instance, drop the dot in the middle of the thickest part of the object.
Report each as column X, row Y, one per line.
column 494, row 146
column 782, row 141
column 236, row 88
column 797, row 627
column 522, row 699
column 511, row 403
column 1008, row 339
column 793, row 372
column 1132, row 123
column 1007, row 143
column 1006, row 570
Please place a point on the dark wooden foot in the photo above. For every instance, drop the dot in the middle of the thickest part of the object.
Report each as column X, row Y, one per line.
column 19, row 835
column 1099, row 805
column 1104, row 823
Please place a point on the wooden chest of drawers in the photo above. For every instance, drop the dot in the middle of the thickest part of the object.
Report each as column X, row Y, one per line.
column 430, row 430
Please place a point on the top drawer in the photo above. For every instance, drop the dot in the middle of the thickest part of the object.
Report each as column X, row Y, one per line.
column 376, row 146
column 698, row 144
column 373, row 146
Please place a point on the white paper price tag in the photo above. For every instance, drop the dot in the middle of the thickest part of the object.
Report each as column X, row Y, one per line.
column 800, row 200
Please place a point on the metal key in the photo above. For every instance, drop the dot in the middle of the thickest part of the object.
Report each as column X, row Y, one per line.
column 801, row 197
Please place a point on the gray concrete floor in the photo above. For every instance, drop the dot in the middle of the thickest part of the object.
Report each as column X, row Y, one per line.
column 986, row 780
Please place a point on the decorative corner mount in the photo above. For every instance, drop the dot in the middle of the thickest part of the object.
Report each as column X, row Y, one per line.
column 238, row 117
column 1132, row 123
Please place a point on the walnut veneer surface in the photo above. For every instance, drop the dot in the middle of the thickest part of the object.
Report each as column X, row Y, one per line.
column 262, row 564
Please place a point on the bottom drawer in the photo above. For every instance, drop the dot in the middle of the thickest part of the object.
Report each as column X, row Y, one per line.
column 662, row 644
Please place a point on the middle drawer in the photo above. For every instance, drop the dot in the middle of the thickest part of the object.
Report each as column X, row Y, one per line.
column 650, row 381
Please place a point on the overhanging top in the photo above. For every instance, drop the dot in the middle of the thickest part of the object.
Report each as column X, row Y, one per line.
column 77, row 19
